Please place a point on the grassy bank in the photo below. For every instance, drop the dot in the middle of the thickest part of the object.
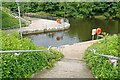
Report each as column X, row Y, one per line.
column 25, row 64
column 10, row 22
column 100, row 66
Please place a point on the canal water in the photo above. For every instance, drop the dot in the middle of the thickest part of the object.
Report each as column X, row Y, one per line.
column 79, row 31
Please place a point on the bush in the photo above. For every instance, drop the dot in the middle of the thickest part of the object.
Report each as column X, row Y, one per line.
column 25, row 64
column 100, row 66
column 72, row 9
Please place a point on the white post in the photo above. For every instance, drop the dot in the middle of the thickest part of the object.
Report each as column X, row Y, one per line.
column 115, row 63
column 93, row 33
column 18, row 3
column 92, row 37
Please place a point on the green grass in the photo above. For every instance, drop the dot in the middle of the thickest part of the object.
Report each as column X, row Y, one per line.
column 24, row 65
column 9, row 22
column 100, row 66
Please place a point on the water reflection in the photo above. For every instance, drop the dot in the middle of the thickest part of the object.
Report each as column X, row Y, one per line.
column 83, row 27
column 49, row 39
column 80, row 30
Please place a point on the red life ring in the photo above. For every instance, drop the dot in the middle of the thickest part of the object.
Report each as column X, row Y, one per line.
column 57, row 38
column 98, row 31
column 58, row 20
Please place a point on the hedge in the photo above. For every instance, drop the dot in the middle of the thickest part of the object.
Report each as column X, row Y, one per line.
column 100, row 66
column 25, row 64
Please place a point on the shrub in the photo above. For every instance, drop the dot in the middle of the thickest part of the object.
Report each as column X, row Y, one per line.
column 25, row 64
column 100, row 66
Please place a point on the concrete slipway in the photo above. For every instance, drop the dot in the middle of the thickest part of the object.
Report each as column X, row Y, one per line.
column 43, row 25
column 72, row 65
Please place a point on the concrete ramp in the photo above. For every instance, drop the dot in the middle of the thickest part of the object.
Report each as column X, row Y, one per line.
column 72, row 65
column 44, row 25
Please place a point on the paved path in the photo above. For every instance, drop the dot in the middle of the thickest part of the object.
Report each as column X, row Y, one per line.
column 43, row 25
column 71, row 66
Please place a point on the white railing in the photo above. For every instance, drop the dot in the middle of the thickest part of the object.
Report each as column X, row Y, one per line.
column 112, row 59
column 16, row 52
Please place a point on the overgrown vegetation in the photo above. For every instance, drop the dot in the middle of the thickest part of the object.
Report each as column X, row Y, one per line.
column 70, row 9
column 100, row 66
column 24, row 64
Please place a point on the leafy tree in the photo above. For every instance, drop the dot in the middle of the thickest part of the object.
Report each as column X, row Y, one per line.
column 71, row 9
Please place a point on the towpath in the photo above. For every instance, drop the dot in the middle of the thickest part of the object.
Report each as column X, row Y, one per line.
column 72, row 65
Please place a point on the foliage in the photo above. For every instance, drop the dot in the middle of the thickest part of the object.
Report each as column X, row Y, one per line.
column 24, row 64
column 9, row 21
column 118, row 14
column 70, row 9
column 100, row 66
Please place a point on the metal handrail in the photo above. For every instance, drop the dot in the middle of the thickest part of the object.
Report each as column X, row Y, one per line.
column 21, row 51
column 108, row 56
column 112, row 59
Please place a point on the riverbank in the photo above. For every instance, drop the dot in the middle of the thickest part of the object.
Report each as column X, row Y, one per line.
column 44, row 25
column 54, row 16
column 72, row 65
